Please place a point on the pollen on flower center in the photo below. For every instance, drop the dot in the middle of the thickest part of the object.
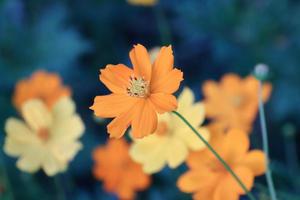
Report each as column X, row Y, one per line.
column 43, row 134
column 138, row 87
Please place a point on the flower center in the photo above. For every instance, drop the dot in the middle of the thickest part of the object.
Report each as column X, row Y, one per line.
column 138, row 87
column 43, row 134
column 162, row 128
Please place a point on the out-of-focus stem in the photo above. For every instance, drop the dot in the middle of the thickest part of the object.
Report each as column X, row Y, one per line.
column 265, row 142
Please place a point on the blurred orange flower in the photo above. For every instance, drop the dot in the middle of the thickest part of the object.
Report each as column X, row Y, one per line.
column 118, row 172
column 209, row 180
column 41, row 85
column 138, row 94
column 233, row 102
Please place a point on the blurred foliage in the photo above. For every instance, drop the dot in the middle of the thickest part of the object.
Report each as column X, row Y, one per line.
column 210, row 37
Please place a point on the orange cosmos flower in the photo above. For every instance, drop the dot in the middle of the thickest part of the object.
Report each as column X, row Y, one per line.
column 209, row 180
column 118, row 172
column 41, row 85
column 233, row 102
column 138, row 94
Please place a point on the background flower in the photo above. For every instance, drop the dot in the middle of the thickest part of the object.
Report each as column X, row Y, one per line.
column 172, row 140
column 120, row 175
column 233, row 102
column 208, row 179
column 41, row 85
column 48, row 139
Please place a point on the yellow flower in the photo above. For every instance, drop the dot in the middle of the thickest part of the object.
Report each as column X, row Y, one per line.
column 47, row 139
column 171, row 142
column 142, row 2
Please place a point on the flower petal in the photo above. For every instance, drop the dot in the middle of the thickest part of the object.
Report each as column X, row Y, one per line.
column 168, row 83
column 192, row 141
column 163, row 102
column 117, row 127
column 224, row 191
column 112, row 105
column 63, row 108
column 141, row 61
column 255, row 160
column 177, row 152
column 116, row 77
column 30, row 162
column 52, row 165
column 245, row 175
column 164, row 62
column 36, row 114
column 66, row 130
column 150, row 151
column 145, row 119
column 236, row 145
column 195, row 180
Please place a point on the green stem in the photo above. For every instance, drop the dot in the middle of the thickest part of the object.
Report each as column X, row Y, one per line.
column 265, row 143
column 217, row 156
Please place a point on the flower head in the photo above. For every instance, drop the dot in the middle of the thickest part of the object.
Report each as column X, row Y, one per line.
column 138, row 94
column 48, row 137
column 208, row 179
column 233, row 102
column 171, row 142
column 118, row 172
column 142, row 2
column 41, row 85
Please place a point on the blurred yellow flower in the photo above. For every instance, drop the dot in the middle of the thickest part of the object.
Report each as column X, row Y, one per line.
column 47, row 139
column 171, row 142
column 142, row 2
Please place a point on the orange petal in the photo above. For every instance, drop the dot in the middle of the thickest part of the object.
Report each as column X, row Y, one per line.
column 255, row 160
column 231, row 82
column 224, row 191
column 236, row 145
column 168, row 83
column 112, row 105
column 267, row 89
column 164, row 62
column 210, row 89
column 116, row 77
column 141, row 61
column 117, row 127
column 195, row 180
column 245, row 175
column 145, row 119
column 163, row 102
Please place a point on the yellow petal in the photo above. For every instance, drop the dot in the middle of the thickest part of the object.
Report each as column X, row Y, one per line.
column 63, row 108
column 192, row 141
column 150, row 151
column 19, row 137
column 52, row 165
column 36, row 114
column 30, row 162
column 177, row 152
column 67, row 129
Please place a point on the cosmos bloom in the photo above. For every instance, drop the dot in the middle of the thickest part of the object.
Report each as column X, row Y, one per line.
column 233, row 102
column 138, row 94
column 209, row 180
column 41, row 85
column 48, row 138
column 142, row 2
column 171, row 142
column 120, row 175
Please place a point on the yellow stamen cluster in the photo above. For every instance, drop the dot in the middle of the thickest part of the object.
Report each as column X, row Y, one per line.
column 138, row 87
